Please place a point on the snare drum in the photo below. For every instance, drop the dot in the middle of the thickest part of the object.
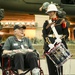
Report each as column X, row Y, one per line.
column 59, row 54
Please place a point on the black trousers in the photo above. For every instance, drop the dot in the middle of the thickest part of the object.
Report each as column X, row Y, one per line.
column 22, row 61
column 52, row 68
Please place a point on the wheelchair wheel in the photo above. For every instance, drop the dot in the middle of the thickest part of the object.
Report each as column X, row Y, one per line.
column 8, row 72
column 5, row 72
column 41, row 72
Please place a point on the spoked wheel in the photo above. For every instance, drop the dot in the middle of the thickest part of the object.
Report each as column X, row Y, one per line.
column 41, row 72
column 5, row 72
column 8, row 72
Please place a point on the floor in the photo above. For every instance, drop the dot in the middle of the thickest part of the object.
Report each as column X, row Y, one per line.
column 69, row 67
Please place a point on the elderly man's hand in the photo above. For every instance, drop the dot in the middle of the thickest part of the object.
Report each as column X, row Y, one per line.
column 30, row 50
column 6, row 52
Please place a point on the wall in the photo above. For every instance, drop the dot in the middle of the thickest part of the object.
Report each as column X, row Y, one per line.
column 40, row 19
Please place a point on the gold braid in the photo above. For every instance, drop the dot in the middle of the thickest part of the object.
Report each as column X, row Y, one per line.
column 48, row 40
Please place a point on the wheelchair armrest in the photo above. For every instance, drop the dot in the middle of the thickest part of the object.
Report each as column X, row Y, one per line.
column 36, row 52
column 7, row 55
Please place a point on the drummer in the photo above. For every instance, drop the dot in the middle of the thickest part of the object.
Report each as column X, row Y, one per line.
column 16, row 44
column 49, row 36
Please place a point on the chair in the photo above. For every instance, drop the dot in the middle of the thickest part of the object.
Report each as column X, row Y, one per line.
column 7, row 66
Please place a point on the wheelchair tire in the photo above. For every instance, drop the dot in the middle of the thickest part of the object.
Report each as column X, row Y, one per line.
column 5, row 72
column 8, row 72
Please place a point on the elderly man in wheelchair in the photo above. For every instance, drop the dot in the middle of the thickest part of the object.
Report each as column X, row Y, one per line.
column 20, row 49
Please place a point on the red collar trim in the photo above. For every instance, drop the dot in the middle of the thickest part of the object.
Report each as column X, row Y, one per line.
column 54, row 18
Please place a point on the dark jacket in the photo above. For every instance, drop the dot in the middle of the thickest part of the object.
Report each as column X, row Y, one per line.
column 59, row 28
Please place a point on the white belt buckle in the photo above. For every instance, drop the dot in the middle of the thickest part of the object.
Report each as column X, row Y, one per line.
column 52, row 35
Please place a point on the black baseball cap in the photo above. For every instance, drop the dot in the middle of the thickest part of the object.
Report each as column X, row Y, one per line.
column 19, row 27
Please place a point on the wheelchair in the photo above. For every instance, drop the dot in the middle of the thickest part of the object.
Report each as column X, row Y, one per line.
column 7, row 66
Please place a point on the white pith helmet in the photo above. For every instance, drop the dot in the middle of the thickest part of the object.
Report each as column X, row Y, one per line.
column 52, row 7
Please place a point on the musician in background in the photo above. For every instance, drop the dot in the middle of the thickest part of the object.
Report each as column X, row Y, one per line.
column 24, row 51
column 50, row 38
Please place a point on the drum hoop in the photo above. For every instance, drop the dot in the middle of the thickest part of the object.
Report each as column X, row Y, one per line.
column 57, row 46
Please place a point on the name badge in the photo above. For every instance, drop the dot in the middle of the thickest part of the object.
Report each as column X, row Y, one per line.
column 15, row 44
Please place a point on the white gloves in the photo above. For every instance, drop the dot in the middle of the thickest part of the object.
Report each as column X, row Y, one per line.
column 51, row 46
column 58, row 40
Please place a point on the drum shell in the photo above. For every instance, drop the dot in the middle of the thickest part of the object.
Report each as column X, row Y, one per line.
column 59, row 54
